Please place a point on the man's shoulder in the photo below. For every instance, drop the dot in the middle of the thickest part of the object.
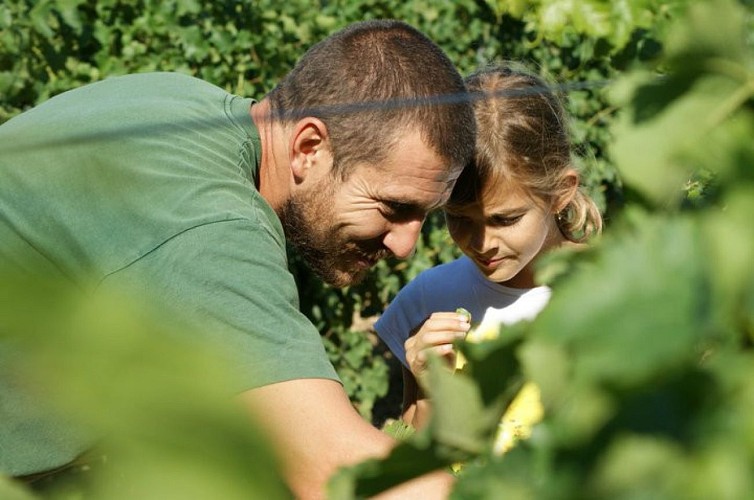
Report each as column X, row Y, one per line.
column 132, row 90
column 156, row 78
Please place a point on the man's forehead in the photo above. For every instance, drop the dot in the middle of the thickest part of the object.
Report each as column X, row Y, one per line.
column 425, row 199
column 414, row 174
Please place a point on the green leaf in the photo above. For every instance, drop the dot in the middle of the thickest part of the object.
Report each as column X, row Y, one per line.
column 68, row 10
column 645, row 466
column 460, row 427
column 668, row 119
column 730, row 239
column 12, row 490
column 410, row 459
column 458, row 412
column 398, row 429
column 42, row 19
column 710, row 29
column 511, row 477
column 639, row 309
column 672, row 126
column 495, row 368
column 105, row 364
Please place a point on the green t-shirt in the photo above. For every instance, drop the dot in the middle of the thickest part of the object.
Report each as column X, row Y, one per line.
column 147, row 183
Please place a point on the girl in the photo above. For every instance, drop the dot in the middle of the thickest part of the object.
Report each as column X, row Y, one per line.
column 520, row 199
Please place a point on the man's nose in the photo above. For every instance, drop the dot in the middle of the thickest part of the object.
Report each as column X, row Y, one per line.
column 401, row 238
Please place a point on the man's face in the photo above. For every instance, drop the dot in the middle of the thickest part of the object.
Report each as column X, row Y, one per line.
column 343, row 227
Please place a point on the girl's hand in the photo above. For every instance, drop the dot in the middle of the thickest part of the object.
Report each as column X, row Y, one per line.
column 436, row 336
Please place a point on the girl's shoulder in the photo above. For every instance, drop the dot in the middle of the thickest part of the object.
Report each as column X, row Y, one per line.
column 456, row 274
column 459, row 267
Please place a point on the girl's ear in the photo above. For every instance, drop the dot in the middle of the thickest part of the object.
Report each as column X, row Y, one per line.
column 309, row 149
column 569, row 185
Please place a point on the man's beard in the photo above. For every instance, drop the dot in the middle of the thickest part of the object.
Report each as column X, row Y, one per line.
column 308, row 223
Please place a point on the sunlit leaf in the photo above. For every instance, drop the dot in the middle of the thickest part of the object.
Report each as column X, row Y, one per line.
column 711, row 30
column 670, row 117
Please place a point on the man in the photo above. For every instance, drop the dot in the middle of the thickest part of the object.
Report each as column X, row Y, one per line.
column 189, row 194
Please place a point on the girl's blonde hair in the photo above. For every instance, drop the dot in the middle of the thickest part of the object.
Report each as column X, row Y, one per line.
column 522, row 137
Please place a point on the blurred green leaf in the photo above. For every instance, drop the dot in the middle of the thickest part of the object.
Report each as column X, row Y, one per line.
column 42, row 20
column 458, row 419
column 653, row 329
column 690, row 118
column 729, row 235
column 668, row 120
column 645, row 466
column 103, row 363
column 12, row 490
column 711, row 30
column 460, row 427
column 656, row 267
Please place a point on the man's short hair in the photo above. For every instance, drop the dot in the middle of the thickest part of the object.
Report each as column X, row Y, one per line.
column 370, row 83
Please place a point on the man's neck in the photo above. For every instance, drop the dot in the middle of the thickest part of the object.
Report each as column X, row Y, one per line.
column 274, row 170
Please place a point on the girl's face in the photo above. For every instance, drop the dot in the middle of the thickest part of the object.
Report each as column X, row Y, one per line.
column 504, row 233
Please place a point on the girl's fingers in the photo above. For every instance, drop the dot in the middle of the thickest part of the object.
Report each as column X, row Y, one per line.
column 434, row 326
column 446, row 320
column 436, row 336
column 427, row 340
column 438, row 350
column 430, row 338
column 418, row 361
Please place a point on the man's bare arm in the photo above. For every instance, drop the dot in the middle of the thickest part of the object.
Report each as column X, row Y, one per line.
column 316, row 430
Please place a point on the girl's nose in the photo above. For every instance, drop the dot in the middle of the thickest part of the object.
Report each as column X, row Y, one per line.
column 477, row 238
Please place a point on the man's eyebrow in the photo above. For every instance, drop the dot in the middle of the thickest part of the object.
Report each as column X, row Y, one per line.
column 403, row 205
column 411, row 207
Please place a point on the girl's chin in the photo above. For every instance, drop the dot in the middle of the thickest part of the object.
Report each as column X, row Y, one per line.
column 498, row 273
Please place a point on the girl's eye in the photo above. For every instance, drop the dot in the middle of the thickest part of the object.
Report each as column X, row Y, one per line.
column 505, row 221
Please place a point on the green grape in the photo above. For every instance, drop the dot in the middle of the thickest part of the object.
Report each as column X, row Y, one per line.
column 466, row 313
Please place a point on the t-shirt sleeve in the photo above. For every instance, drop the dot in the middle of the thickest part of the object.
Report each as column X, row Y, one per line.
column 406, row 312
column 228, row 282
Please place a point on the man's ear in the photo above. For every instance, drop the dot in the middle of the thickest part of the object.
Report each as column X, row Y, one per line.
column 569, row 184
column 309, row 148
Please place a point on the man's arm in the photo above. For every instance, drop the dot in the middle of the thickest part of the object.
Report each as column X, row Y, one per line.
column 316, row 430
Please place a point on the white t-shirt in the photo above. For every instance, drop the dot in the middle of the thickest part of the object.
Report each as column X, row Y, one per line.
column 445, row 288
